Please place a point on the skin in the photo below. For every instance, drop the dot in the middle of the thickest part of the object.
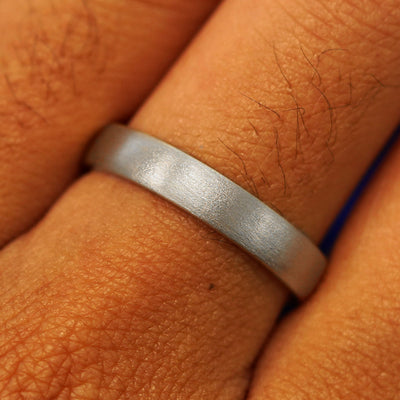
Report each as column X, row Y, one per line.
column 116, row 294
column 344, row 343
column 68, row 68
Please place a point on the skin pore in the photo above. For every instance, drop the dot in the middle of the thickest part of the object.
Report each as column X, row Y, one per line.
column 109, row 297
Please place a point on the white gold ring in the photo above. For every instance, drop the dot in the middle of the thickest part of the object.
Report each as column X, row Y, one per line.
column 213, row 198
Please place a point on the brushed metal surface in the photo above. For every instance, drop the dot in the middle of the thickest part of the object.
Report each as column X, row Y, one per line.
column 216, row 200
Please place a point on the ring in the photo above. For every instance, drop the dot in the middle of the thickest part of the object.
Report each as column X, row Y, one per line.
column 214, row 199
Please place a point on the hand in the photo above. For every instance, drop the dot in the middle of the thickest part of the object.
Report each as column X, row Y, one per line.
column 117, row 294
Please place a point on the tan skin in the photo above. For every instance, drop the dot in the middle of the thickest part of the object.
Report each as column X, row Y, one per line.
column 115, row 293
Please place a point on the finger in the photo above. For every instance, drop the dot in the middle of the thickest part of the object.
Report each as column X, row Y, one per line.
column 164, row 309
column 344, row 343
column 298, row 124
column 66, row 69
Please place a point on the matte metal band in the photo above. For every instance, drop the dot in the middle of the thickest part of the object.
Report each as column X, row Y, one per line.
column 213, row 198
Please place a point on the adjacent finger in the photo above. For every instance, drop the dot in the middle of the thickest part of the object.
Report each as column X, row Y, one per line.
column 143, row 300
column 66, row 69
column 344, row 344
